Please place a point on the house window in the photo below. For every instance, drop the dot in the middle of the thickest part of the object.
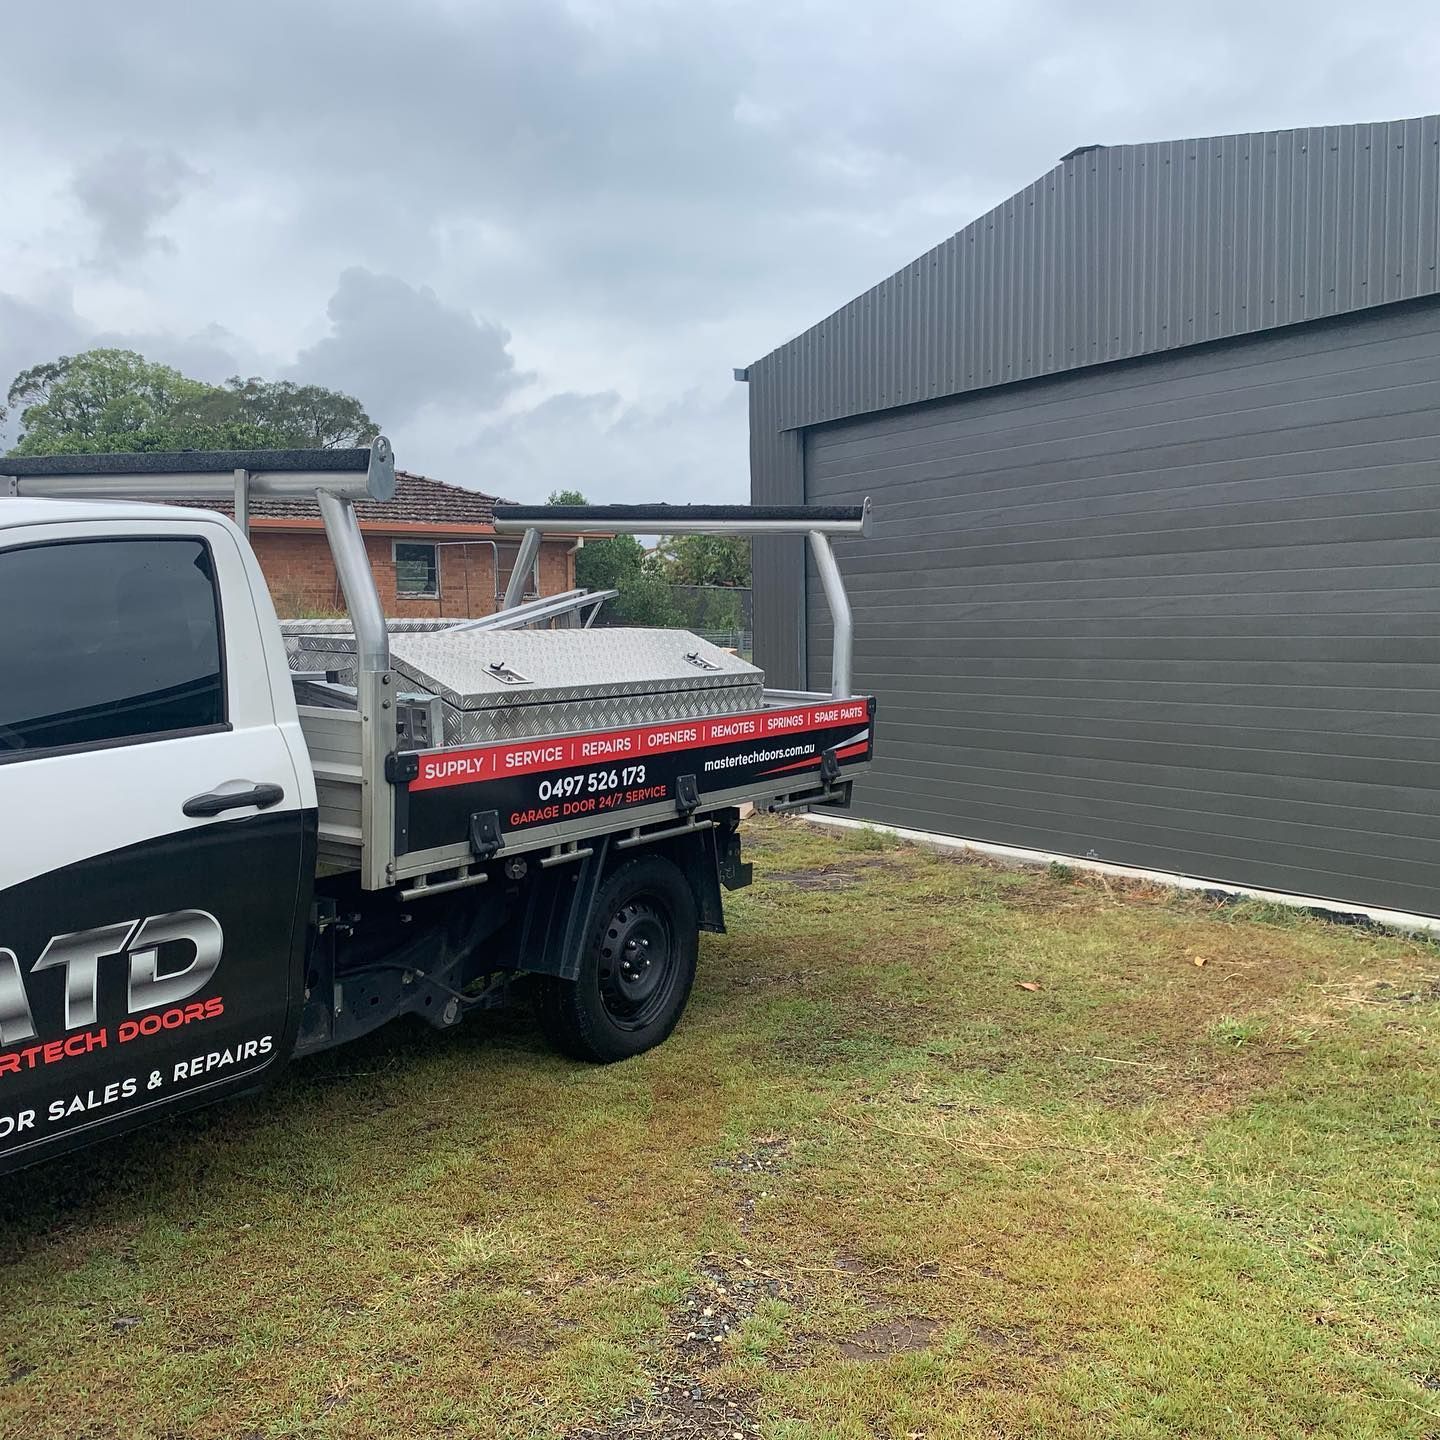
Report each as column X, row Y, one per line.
column 417, row 571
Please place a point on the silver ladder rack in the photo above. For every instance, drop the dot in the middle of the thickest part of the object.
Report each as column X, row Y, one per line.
column 544, row 607
column 816, row 522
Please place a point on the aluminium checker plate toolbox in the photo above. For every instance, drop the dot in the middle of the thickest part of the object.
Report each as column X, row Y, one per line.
column 519, row 684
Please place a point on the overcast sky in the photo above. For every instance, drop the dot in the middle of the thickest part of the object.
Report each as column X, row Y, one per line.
column 534, row 238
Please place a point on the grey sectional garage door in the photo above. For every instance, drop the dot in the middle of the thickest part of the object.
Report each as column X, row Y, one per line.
column 1181, row 613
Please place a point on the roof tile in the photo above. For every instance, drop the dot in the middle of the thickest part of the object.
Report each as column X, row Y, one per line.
column 418, row 500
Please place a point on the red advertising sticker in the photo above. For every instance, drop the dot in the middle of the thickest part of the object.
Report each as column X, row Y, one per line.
column 526, row 757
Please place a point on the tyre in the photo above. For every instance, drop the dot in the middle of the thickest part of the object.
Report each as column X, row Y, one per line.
column 636, row 967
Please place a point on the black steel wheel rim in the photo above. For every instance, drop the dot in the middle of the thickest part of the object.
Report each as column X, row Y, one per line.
column 637, row 963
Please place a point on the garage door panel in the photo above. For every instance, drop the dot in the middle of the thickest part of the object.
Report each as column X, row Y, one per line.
column 1120, row 840
column 1153, row 537
column 1095, row 819
column 1401, row 412
column 1362, row 805
column 1155, row 550
column 1312, row 491
column 971, row 604
column 1278, row 872
column 1097, row 816
column 961, row 474
column 1186, row 720
column 1257, row 758
column 1337, row 753
column 952, row 692
column 1177, row 385
column 1385, row 562
column 1182, row 614
column 1377, row 637
column 1352, row 810
column 1142, row 673
column 933, row 491
column 1339, row 744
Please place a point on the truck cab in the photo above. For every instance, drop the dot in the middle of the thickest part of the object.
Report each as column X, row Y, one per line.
column 157, row 819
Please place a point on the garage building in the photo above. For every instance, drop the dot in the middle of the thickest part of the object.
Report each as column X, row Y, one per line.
column 1154, row 448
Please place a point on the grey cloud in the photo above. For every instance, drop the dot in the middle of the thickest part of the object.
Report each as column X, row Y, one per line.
column 398, row 348
column 211, row 353
column 30, row 332
column 125, row 192
column 692, row 448
column 647, row 193
column 33, row 331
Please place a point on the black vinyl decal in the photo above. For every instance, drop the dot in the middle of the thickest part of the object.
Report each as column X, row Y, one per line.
column 547, row 781
column 150, row 978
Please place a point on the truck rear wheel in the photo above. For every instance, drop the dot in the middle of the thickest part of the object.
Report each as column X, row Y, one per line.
column 636, row 968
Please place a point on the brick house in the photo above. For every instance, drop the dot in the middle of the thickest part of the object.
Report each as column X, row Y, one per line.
column 433, row 550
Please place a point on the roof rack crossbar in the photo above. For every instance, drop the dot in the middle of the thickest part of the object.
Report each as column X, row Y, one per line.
column 364, row 473
column 685, row 519
column 816, row 522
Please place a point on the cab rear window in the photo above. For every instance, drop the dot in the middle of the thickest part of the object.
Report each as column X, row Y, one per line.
column 107, row 641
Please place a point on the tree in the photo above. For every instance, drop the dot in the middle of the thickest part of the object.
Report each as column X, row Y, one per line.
column 299, row 417
column 717, row 609
column 646, row 597
column 609, row 564
column 706, row 559
column 102, row 400
column 105, row 399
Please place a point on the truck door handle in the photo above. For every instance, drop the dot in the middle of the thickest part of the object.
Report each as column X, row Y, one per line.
column 214, row 801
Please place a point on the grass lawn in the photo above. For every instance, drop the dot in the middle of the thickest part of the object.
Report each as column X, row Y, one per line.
column 939, row 1150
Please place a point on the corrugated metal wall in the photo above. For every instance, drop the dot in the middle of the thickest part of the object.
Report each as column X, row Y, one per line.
column 1121, row 251
column 1117, row 252
column 1181, row 612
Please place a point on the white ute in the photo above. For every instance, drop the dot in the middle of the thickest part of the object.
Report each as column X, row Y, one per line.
column 226, row 840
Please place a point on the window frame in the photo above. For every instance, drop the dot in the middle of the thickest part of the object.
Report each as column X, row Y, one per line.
column 434, row 547
column 221, row 727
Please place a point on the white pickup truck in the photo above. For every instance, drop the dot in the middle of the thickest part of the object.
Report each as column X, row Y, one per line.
column 202, row 877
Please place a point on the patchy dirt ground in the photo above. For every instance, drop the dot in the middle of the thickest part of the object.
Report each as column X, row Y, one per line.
column 941, row 1150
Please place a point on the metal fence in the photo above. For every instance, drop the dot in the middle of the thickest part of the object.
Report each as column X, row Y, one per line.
column 741, row 641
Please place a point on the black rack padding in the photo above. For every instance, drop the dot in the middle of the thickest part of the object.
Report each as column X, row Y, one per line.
column 666, row 516
column 188, row 462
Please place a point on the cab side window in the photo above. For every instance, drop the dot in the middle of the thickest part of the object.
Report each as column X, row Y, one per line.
column 107, row 642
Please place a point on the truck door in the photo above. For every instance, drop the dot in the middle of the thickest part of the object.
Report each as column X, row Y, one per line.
column 156, row 858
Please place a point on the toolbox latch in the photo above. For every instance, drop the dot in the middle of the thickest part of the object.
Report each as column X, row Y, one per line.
column 485, row 836
column 506, row 675
column 687, row 794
